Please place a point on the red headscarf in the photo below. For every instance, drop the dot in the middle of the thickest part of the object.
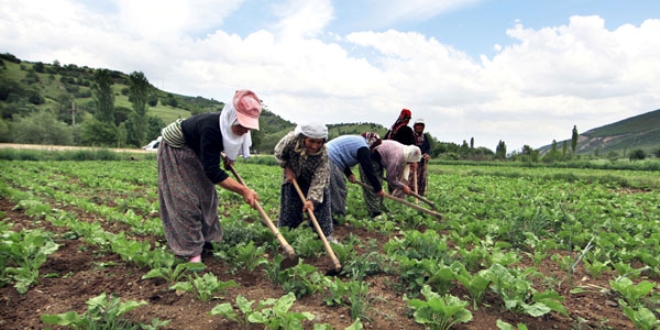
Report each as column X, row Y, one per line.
column 403, row 120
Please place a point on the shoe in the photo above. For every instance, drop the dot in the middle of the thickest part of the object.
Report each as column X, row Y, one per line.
column 332, row 239
column 195, row 259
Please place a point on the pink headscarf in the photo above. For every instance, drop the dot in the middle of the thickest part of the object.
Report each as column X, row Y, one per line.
column 373, row 139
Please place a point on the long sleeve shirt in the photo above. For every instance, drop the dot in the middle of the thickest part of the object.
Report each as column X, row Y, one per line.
column 393, row 160
column 425, row 146
column 347, row 151
column 203, row 136
column 313, row 169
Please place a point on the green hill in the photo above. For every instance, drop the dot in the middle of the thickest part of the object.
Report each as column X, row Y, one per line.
column 638, row 132
column 27, row 88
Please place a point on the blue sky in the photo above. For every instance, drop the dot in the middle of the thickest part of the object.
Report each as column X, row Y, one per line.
column 523, row 72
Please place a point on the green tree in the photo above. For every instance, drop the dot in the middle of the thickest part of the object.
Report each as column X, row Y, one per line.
column 552, row 155
column 500, row 150
column 574, row 139
column 65, row 109
column 122, row 114
column 637, row 154
column 105, row 99
column 41, row 128
column 5, row 131
column 98, row 133
column 154, row 126
column 9, row 87
column 564, row 150
column 139, row 93
column 39, row 67
column 472, row 143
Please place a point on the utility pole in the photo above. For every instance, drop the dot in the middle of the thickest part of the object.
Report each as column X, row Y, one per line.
column 73, row 113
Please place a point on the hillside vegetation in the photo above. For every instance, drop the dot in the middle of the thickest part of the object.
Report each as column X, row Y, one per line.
column 52, row 103
column 640, row 132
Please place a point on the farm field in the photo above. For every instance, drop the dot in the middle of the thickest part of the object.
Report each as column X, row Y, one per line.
column 516, row 248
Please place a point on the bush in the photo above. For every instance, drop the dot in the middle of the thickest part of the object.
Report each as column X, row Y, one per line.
column 637, row 154
column 42, row 128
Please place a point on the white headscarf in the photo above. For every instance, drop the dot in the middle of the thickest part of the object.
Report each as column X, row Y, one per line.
column 312, row 130
column 233, row 144
column 411, row 154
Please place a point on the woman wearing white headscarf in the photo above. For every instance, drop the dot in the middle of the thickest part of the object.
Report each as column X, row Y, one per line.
column 189, row 169
column 395, row 159
column 304, row 157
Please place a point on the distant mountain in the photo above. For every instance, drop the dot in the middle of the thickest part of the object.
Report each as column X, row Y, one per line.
column 638, row 132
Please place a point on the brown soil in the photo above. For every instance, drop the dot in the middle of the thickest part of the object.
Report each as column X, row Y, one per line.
column 81, row 275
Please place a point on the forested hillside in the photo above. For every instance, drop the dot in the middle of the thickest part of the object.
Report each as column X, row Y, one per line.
column 43, row 103
column 640, row 132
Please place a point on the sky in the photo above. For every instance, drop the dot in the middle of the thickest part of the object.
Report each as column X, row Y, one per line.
column 519, row 71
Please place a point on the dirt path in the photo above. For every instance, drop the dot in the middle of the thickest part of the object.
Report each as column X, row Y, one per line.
column 60, row 148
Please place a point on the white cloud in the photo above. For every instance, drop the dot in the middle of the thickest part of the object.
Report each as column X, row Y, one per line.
column 166, row 19
column 532, row 91
column 303, row 18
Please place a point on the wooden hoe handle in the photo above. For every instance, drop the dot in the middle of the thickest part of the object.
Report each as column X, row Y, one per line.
column 285, row 245
column 327, row 246
column 404, row 202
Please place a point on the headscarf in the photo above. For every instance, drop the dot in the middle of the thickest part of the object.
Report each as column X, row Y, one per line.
column 233, row 144
column 373, row 140
column 312, row 130
column 419, row 137
column 411, row 154
column 403, row 120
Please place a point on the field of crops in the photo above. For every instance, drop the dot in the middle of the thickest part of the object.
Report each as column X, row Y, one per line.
column 82, row 246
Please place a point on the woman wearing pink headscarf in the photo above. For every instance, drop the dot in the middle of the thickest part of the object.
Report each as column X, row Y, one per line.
column 189, row 169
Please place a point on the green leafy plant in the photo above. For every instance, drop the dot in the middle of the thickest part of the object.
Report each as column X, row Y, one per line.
column 276, row 317
column 133, row 251
column 506, row 326
column 306, row 244
column 633, row 294
column 337, row 291
column 359, row 301
column 596, row 268
column 243, row 255
column 23, row 254
column 439, row 312
column 274, row 271
column 102, row 313
column 475, row 284
column 642, row 318
column 302, row 280
column 519, row 296
column 204, row 287
column 173, row 274
column 226, row 310
column 367, row 264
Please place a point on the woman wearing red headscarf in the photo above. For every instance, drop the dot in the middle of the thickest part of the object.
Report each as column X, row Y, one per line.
column 400, row 131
